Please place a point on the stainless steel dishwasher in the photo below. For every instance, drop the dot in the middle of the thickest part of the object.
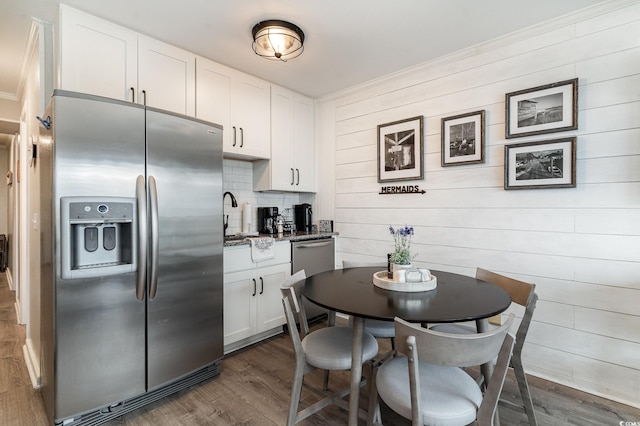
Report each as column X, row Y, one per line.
column 313, row 256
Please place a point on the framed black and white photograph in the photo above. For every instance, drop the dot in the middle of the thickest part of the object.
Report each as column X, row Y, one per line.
column 400, row 149
column 543, row 109
column 463, row 139
column 542, row 164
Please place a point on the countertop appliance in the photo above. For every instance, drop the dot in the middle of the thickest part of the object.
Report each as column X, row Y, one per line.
column 313, row 256
column 267, row 220
column 303, row 217
column 131, row 264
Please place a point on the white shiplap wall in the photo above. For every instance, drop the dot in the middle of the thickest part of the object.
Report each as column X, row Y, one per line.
column 581, row 246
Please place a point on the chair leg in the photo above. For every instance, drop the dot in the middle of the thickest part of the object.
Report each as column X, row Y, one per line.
column 296, row 390
column 521, row 378
column 331, row 319
column 373, row 412
column 325, row 384
column 393, row 346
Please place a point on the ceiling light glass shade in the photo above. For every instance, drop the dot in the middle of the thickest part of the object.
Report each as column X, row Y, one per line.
column 277, row 40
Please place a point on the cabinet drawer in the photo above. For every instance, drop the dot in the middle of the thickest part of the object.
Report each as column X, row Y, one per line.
column 238, row 258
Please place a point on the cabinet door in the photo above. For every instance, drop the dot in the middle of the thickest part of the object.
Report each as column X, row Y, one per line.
column 304, row 139
column 251, row 114
column 239, row 318
column 167, row 77
column 270, row 310
column 282, row 161
column 213, row 97
column 292, row 163
column 96, row 57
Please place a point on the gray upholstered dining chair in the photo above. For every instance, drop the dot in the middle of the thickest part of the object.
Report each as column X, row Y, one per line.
column 327, row 348
column 523, row 294
column 379, row 329
column 429, row 386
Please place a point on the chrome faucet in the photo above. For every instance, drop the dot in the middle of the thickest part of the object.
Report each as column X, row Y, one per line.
column 234, row 203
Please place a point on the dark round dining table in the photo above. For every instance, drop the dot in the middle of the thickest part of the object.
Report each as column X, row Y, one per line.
column 456, row 298
column 351, row 291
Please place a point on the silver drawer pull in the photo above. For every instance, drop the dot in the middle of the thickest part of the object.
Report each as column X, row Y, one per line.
column 314, row 245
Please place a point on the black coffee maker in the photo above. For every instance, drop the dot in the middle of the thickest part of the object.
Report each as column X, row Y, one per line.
column 303, row 217
column 267, row 220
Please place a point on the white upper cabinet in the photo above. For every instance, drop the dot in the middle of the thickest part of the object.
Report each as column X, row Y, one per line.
column 304, row 145
column 166, row 77
column 240, row 103
column 101, row 58
column 96, row 56
column 292, row 164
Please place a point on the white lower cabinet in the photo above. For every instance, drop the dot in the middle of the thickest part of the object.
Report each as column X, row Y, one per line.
column 252, row 298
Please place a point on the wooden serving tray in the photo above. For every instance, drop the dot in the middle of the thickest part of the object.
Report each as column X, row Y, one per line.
column 380, row 280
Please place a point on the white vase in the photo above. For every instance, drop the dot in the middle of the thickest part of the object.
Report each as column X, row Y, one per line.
column 397, row 267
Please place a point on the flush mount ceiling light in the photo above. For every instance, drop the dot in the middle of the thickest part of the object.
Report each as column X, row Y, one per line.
column 277, row 40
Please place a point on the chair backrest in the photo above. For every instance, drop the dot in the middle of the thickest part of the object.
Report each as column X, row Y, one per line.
column 492, row 393
column 448, row 349
column 290, row 291
column 522, row 293
column 293, row 330
column 456, row 350
column 357, row 264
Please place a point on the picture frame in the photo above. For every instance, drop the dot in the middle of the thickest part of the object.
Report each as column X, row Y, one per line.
column 543, row 109
column 463, row 139
column 541, row 164
column 400, row 150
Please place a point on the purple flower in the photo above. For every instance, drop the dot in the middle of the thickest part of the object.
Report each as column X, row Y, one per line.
column 402, row 238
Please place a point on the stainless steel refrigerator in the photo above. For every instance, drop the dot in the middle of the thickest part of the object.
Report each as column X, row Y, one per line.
column 131, row 258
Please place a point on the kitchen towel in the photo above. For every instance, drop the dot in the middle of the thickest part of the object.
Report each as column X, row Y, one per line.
column 262, row 248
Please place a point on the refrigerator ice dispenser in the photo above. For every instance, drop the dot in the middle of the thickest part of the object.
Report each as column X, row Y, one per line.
column 97, row 236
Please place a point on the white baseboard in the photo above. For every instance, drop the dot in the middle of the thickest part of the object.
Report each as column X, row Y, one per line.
column 33, row 363
column 9, row 279
column 16, row 306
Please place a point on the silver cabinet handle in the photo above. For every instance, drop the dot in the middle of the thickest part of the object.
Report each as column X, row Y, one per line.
column 314, row 245
column 153, row 201
column 141, row 197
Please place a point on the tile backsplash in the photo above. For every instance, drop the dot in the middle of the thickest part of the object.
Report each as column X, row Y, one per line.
column 238, row 179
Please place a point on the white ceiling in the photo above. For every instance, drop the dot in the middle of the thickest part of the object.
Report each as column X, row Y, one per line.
column 348, row 42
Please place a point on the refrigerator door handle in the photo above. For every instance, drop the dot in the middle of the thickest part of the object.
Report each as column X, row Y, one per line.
column 141, row 197
column 153, row 201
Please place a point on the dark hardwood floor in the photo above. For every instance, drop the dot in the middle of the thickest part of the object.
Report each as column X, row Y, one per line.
column 253, row 389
